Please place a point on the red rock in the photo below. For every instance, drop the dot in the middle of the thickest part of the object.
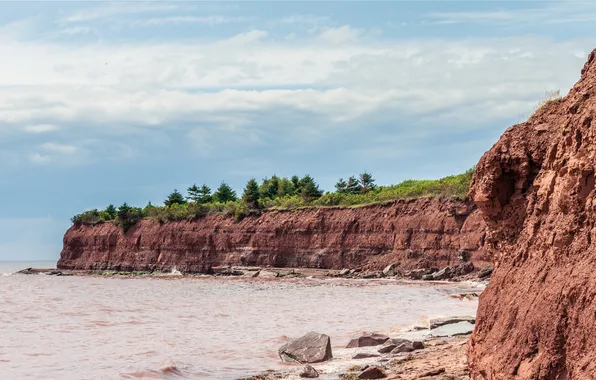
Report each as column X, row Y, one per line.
column 535, row 189
column 367, row 340
column 412, row 233
column 372, row 373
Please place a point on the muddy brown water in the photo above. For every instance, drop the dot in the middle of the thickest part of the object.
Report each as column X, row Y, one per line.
column 195, row 328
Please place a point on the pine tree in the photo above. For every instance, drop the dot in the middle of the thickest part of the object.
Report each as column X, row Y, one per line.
column 309, row 190
column 286, row 187
column 224, row 193
column 175, row 198
column 193, row 193
column 341, row 186
column 367, row 183
column 251, row 194
column 111, row 211
column 205, row 194
column 353, row 185
column 296, row 181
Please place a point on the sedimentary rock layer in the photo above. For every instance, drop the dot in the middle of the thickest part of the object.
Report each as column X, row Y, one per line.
column 428, row 232
column 535, row 190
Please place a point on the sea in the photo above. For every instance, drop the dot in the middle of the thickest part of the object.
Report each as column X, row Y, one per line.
column 176, row 327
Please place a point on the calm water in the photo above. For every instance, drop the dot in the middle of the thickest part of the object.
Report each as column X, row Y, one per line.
column 133, row 328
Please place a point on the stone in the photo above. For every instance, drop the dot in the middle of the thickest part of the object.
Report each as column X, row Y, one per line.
column 443, row 274
column 390, row 270
column 267, row 274
column 364, row 355
column 418, row 345
column 404, row 347
column 367, row 340
column 344, row 272
column 434, row 372
column 438, row 322
column 485, row 273
column 387, row 348
column 309, row 372
column 372, row 373
column 311, row 348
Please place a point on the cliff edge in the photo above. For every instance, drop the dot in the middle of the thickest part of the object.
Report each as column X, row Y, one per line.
column 422, row 233
column 535, row 190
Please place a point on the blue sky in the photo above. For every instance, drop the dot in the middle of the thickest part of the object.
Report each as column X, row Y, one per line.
column 108, row 102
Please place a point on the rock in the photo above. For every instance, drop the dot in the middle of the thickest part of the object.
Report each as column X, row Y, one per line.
column 372, row 373
column 311, row 348
column 404, row 347
column 367, row 340
column 485, row 273
column 434, row 372
column 387, row 348
column 443, row 274
column 438, row 322
column 371, row 275
column 344, row 272
column 428, row 277
column 309, row 372
column 390, row 270
column 364, row 355
column 462, row 269
column 418, row 345
column 267, row 274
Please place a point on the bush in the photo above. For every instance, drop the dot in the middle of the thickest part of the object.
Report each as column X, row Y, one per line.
column 90, row 217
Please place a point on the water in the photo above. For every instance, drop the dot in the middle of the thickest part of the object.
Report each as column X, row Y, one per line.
column 136, row 328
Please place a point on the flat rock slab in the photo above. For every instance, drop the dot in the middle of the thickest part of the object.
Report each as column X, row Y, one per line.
column 438, row 322
column 456, row 329
column 311, row 348
column 364, row 355
column 367, row 340
column 372, row 373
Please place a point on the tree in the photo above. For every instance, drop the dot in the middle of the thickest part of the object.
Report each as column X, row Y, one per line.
column 224, row 193
column 129, row 216
column 111, row 211
column 353, row 185
column 175, row 198
column 251, row 194
column 367, row 183
column 341, row 186
column 309, row 190
column 205, row 194
column 286, row 187
column 193, row 193
column 296, row 181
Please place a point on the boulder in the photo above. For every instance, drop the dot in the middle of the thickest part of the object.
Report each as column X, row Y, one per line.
column 267, row 274
column 372, row 373
column 367, row 340
column 404, row 347
column 309, row 372
column 418, row 345
column 485, row 273
column 438, row 322
column 387, row 348
column 390, row 270
column 311, row 348
column 443, row 274
column 344, row 272
column 364, row 355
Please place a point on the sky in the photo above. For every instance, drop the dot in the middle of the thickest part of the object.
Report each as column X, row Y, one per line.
column 124, row 101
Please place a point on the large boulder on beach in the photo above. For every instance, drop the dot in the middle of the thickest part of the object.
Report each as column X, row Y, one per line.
column 309, row 372
column 367, row 340
column 372, row 373
column 311, row 348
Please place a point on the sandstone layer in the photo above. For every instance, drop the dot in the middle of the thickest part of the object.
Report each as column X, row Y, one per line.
column 421, row 233
column 535, row 190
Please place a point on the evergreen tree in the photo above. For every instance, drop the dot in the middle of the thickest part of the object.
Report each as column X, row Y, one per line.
column 309, row 190
column 205, row 194
column 111, row 211
column 296, row 181
column 270, row 187
column 251, row 194
column 353, row 185
column 193, row 193
column 286, row 187
column 367, row 183
column 175, row 198
column 341, row 186
column 224, row 193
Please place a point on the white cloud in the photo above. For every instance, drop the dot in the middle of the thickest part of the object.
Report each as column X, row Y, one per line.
column 39, row 159
column 208, row 20
column 340, row 35
column 40, row 128
column 59, row 148
column 115, row 9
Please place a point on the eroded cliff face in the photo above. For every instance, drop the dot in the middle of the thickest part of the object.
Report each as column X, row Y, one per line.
column 416, row 234
column 535, row 190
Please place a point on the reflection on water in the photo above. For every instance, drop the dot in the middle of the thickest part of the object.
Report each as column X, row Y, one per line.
column 155, row 328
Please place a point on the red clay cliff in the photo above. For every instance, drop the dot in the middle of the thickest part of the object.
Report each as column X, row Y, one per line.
column 535, row 190
column 421, row 233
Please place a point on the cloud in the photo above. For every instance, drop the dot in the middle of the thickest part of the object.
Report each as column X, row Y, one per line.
column 340, row 35
column 176, row 20
column 40, row 128
column 109, row 10
column 39, row 159
column 59, row 148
